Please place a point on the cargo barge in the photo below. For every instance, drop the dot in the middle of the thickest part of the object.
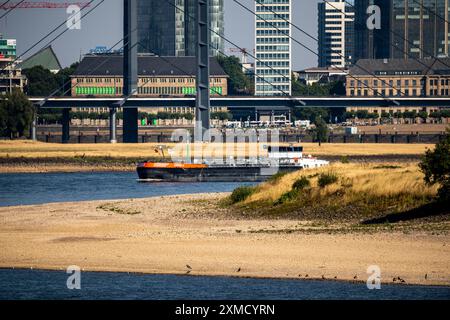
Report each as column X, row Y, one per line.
column 280, row 159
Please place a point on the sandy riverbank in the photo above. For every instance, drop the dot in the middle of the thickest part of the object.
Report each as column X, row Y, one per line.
column 164, row 234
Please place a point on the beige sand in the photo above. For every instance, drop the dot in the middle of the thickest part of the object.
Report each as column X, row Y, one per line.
column 29, row 149
column 164, row 234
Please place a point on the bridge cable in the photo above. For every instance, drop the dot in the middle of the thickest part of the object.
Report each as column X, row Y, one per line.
column 8, row 11
column 405, row 51
column 315, row 53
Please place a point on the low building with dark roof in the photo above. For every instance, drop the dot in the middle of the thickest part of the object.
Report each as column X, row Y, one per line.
column 399, row 78
column 102, row 76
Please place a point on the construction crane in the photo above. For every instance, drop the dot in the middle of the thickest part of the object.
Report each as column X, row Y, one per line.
column 41, row 5
column 243, row 51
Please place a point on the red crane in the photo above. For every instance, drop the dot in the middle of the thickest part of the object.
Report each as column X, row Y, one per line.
column 41, row 5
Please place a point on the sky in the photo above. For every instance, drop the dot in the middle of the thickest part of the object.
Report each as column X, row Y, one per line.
column 103, row 27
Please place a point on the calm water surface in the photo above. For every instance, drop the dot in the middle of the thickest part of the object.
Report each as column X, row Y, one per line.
column 37, row 188
column 37, row 284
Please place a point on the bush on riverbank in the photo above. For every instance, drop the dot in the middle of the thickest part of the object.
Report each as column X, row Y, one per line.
column 341, row 192
column 436, row 167
column 241, row 194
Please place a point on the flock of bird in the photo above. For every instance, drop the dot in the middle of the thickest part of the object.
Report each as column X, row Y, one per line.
column 395, row 279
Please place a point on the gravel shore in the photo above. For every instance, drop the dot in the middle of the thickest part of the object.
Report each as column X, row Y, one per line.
column 163, row 235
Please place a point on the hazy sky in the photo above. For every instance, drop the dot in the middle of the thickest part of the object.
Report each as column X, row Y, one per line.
column 103, row 27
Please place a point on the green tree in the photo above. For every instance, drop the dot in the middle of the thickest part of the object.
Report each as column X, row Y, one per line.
column 3, row 118
column 238, row 83
column 221, row 115
column 436, row 167
column 41, row 82
column 311, row 114
column 423, row 115
column 16, row 115
column 321, row 130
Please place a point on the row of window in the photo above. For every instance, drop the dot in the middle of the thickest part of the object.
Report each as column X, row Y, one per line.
column 273, row 80
column 272, row 64
column 399, row 93
column 145, row 80
column 384, row 83
column 387, row 93
column 271, row 25
column 272, row 56
column 267, row 88
column 272, row 71
column 272, row 48
column 272, row 40
column 144, row 90
column 272, row 32
column 270, row 16
column 272, row 8
column 274, row 1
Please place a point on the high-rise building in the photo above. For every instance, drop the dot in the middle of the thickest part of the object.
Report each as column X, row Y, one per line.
column 273, row 48
column 409, row 29
column 373, row 43
column 336, row 34
column 420, row 28
column 167, row 31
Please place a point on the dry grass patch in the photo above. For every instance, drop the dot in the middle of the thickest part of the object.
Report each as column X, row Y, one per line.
column 30, row 149
column 350, row 192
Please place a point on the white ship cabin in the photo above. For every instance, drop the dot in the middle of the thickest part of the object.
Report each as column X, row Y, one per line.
column 283, row 152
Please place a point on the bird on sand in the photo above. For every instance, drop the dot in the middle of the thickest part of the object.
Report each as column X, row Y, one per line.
column 355, row 277
column 188, row 266
column 238, row 270
column 426, row 276
column 189, row 271
column 306, row 275
column 323, row 277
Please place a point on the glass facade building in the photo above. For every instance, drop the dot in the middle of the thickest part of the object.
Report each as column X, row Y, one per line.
column 273, row 48
column 410, row 29
column 372, row 44
column 421, row 28
column 168, row 31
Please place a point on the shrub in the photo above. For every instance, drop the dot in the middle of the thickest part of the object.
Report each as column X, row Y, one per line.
column 241, row 193
column 326, row 179
column 344, row 159
column 287, row 196
column 301, row 184
column 436, row 167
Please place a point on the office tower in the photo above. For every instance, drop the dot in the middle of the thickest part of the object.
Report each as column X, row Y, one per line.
column 409, row 29
column 273, row 48
column 167, row 31
column 420, row 28
column 336, row 34
column 216, row 20
column 373, row 43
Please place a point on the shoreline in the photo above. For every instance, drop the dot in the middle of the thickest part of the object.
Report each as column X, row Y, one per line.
column 161, row 235
column 50, row 269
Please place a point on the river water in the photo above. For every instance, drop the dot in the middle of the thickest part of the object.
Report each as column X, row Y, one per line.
column 37, row 188
column 37, row 284
column 25, row 189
